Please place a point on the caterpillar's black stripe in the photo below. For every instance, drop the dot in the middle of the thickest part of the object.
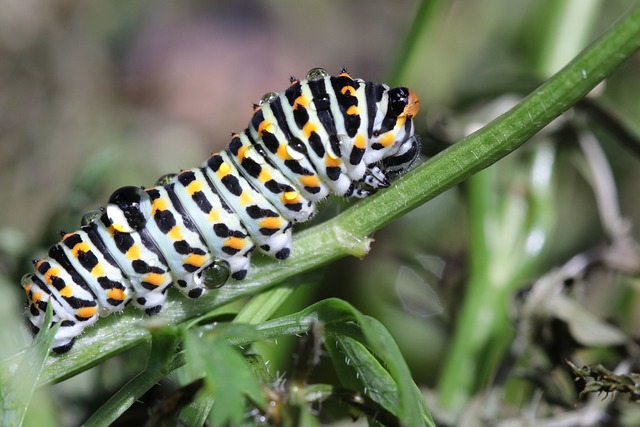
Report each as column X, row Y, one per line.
column 321, row 135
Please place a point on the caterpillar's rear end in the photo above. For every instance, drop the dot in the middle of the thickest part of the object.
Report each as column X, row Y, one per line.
column 197, row 228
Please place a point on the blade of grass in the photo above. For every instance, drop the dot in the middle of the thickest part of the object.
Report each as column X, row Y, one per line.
column 262, row 306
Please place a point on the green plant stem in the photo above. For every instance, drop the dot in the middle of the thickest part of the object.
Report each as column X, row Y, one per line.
column 162, row 361
column 573, row 22
column 482, row 332
column 423, row 22
column 346, row 234
column 480, row 310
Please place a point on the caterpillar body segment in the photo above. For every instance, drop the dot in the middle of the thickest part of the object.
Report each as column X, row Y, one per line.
column 193, row 230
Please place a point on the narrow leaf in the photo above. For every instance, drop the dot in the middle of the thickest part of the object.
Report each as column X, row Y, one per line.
column 18, row 388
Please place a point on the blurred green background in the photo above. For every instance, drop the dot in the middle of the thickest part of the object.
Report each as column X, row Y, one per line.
column 97, row 95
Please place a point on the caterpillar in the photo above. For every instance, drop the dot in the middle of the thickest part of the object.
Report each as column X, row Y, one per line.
column 196, row 229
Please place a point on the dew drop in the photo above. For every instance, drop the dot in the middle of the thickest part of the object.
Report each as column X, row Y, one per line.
column 317, row 73
column 128, row 209
column 90, row 217
column 165, row 179
column 26, row 279
column 215, row 274
column 267, row 98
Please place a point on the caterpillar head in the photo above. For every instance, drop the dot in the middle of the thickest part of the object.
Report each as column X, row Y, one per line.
column 394, row 146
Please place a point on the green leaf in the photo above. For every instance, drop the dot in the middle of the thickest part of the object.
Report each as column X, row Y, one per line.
column 358, row 369
column 17, row 388
column 340, row 318
column 228, row 378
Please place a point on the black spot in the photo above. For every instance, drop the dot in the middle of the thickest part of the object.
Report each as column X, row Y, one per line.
column 214, row 162
column 195, row 293
column 64, row 348
column 140, row 266
column 71, row 240
column 34, row 312
column 356, row 155
column 221, row 230
column 398, row 99
column 152, row 311
column 316, row 144
column 333, row 172
column 232, row 184
column 234, row 146
column 293, row 92
column 270, row 141
column 164, row 220
column 268, row 231
column 187, row 177
column 201, row 200
column 239, row 275
column 283, row 253
column 312, row 190
column 273, row 186
column 256, row 212
column 229, row 250
column 252, row 167
column 106, row 284
column 190, row 268
column 182, row 247
column 295, row 207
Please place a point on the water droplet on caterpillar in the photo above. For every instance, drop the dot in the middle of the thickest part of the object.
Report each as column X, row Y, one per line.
column 90, row 217
column 267, row 98
column 128, row 209
column 214, row 275
column 165, row 179
column 26, row 279
column 316, row 74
